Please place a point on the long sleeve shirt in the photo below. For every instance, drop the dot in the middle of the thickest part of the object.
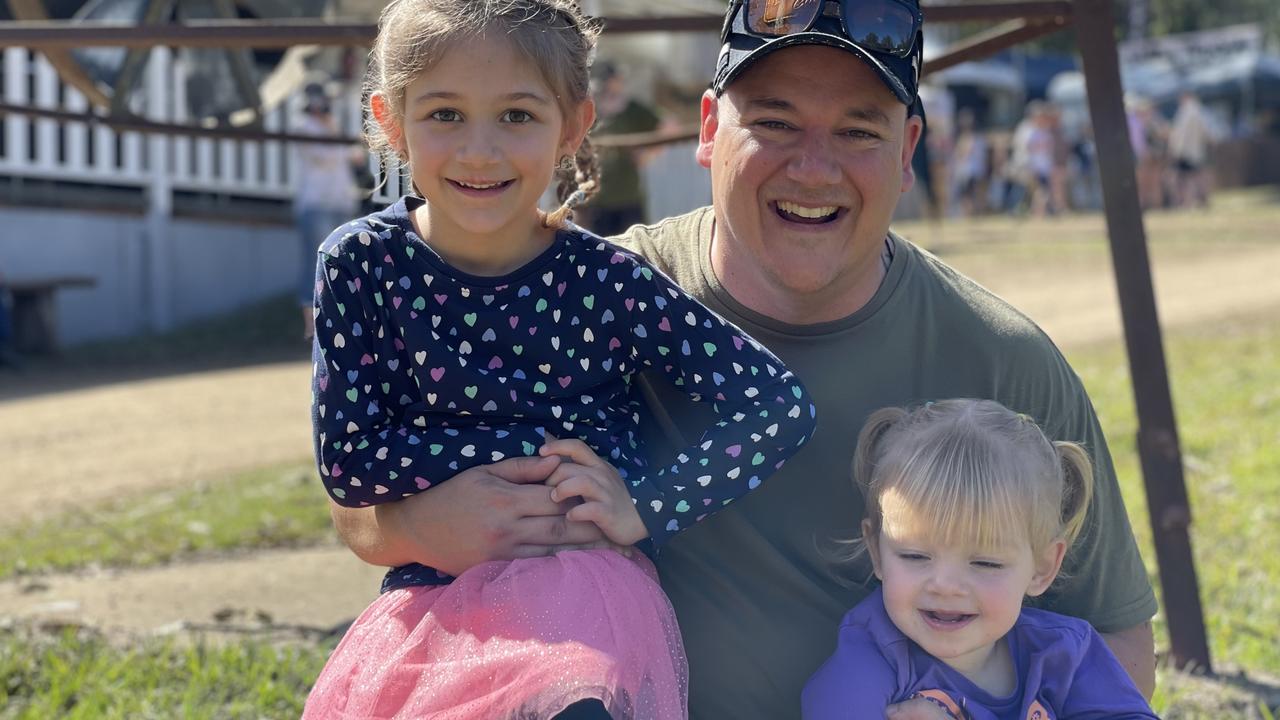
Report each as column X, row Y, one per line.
column 1065, row 672
column 422, row 371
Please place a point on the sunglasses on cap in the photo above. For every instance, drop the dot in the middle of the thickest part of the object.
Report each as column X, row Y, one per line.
column 883, row 26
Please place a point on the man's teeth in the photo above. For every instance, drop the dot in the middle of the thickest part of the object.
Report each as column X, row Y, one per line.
column 806, row 212
column 478, row 187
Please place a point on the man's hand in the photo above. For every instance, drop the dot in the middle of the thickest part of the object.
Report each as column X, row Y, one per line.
column 501, row 511
column 605, row 499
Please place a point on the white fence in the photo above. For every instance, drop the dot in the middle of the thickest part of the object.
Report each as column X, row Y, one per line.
column 67, row 150
column 75, row 151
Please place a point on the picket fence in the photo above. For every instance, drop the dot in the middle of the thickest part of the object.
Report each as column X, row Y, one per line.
column 76, row 151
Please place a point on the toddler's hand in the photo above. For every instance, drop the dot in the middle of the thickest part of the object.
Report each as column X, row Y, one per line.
column 920, row 708
column 605, row 500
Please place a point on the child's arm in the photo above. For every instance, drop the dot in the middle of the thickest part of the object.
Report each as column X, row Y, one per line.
column 1101, row 688
column 371, row 444
column 765, row 413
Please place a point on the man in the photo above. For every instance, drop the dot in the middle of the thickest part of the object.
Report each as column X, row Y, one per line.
column 619, row 203
column 808, row 137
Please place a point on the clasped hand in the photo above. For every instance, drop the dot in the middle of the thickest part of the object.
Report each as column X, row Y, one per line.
column 605, row 500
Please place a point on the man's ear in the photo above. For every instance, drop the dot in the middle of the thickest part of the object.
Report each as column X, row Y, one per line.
column 1047, row 567
column 708, row 124
column 872, row 539
column 387, row 120
column 910, row 138
column 576, row 126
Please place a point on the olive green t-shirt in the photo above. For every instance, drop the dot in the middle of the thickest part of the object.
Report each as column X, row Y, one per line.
column 755, row 590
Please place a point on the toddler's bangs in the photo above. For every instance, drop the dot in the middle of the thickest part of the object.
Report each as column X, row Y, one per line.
column 954, row 503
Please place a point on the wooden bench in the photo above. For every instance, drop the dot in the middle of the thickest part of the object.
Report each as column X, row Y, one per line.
column 35, row 317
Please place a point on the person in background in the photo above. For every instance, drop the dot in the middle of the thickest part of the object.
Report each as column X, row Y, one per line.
column 1190, row 136
column 325, row 195
column 619, row 203
column 969, row 167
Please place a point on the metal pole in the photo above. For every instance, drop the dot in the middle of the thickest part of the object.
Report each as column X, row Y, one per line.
column 1157, row 429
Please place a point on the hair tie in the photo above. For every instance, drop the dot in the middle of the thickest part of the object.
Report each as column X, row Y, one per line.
column 577, row 198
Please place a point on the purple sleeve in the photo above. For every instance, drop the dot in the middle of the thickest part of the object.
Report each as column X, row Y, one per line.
column 855, row 679
column 1101, row 688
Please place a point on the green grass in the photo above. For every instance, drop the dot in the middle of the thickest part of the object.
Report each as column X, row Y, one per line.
column 265, row 508
column 78, row 676
column 1226, row 389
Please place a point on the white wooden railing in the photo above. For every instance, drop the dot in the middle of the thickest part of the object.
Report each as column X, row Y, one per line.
column 68, row 150
column 76, row 151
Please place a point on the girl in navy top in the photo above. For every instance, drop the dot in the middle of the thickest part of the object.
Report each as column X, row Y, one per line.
column 461, row 326
column 970, row 510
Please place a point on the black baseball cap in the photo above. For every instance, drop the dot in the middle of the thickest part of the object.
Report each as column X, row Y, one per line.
column 741, row 48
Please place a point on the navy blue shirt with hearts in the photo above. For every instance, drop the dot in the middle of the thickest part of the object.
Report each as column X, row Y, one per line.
column 422, row 371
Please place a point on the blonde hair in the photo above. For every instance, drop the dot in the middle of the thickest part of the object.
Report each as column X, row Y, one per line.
column 553, row 34
column 973, row 471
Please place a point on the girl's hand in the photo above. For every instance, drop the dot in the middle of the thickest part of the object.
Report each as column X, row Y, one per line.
column 605, row 500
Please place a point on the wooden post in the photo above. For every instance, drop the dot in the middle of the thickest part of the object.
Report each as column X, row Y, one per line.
column 1157, row 430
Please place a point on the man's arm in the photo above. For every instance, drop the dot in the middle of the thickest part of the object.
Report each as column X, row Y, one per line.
column 491, row 512
column 1135, row 648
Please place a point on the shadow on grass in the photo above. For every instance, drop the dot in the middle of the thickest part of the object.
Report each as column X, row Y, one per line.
column 264, row 333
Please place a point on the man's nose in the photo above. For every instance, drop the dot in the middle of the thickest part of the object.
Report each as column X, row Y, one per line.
column 814, row 164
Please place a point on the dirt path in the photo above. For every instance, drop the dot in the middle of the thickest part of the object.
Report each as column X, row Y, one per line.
column 81, row 446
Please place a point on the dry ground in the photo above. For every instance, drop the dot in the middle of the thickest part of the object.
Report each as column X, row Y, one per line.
column 66, row 442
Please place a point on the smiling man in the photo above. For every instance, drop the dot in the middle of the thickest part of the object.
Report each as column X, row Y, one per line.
column 808, row 132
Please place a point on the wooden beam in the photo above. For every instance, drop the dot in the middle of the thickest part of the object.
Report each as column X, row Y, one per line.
column 287, row 32
column 135, row 58
column 1157, row 429
column 1029, row 9
column 281, row 33
column 990, row 42
column 61, row 60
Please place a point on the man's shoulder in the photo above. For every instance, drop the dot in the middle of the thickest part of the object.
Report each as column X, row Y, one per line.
column 960, row 303
column 671, row 245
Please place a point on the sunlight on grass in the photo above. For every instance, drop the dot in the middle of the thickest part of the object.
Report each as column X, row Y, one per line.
column 79, row 676
column 1226, row 389
column 265, row 508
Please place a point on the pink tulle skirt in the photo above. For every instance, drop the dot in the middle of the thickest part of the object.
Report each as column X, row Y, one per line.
column 519, row 639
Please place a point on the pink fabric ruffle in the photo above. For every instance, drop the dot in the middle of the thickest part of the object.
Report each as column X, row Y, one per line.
column 518, row 639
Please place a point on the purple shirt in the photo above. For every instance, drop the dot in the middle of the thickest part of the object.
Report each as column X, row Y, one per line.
column 1065, row 670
